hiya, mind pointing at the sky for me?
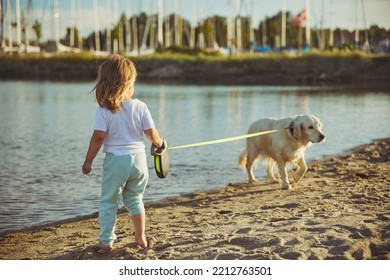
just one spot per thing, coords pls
(334, 13)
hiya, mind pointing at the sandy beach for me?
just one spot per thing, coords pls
(339, 210)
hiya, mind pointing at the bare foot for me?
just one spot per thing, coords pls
(104, 248)
(141, 241)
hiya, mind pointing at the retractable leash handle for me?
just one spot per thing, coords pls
(161, 159)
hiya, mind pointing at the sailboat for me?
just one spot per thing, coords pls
(97, 51)
(26, 47)
(149, 31)
(59, 47)
(20, 47)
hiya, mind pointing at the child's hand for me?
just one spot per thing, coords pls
(87, 167)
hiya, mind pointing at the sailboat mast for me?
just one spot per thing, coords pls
(10, 46)
(264, 31)
(128, 30)
(238, 26)
(27, 17)
(322, 43)
(72, 23)
(79, 25)
(251, 29)
(56, 23)
(96, 21)
(192, 37)
(160, 24)
(2, 25)
(308, 37)
(201, 43)
(18, 28)
(229, 38)
(283, 42)
(118, 14)
(367, 42)
(356, 25)
(176, 22)
(135, 34)
(331, 38)
(108, 29)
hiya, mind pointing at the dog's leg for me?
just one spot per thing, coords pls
(283, 173)
(301, 170)
(249, 168)
(270, 171)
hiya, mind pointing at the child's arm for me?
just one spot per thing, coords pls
(154, 137)
(95, 144)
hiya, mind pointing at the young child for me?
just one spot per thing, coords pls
(119, 126)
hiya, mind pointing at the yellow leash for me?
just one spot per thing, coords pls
(218, 141)
(161, 157)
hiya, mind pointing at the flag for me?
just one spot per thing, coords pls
(301, 17)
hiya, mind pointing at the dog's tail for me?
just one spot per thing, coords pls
(242, 159)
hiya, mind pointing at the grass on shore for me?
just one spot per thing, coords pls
(185, 54)
(190, 65)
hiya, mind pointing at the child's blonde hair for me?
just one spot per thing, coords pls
(115, 78)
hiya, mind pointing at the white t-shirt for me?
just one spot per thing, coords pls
(125, 128)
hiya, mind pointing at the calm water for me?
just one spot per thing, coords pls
(45, 129)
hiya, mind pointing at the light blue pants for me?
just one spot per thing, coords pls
(125, 176)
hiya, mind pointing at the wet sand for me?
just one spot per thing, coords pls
(339, 210)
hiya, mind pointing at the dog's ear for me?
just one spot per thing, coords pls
(304, 136)
(298, 127)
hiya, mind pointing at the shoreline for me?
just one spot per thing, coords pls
(122, 209)
(332, 70)
(338, 211)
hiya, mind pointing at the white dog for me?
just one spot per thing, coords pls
(286, 145)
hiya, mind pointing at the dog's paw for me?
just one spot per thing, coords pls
(286, 186)
(253, 180)
(297, 177)
(273, 180)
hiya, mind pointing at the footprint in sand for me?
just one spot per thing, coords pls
(244, 230)
(248, 243)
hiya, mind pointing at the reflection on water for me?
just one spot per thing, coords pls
(45, 128)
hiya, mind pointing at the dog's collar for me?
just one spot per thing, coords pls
(291, 129)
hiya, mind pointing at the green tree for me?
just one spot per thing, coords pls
(377, 34)
(37, 27)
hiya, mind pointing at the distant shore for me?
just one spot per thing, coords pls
(248, 70)
(339, 210)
